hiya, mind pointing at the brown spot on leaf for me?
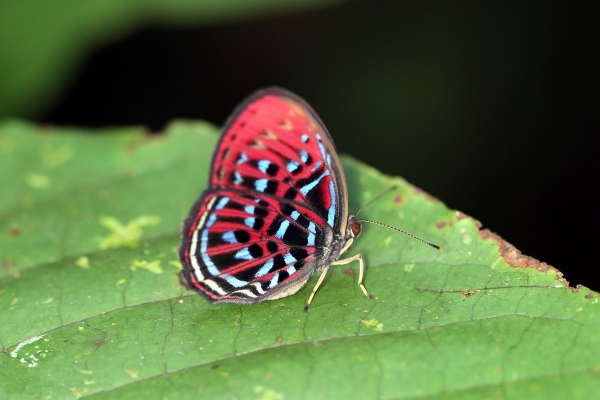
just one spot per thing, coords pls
(460, 215)
(398, 199)
(98, 342)
(516, 259)
(588, 296)
(440, 224)
(8, 263)
(349, 272)
(468, 292)
(215, 366)
(279, 339)
(5, 351)
(14, 231)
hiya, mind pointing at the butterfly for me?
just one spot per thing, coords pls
(276, 209)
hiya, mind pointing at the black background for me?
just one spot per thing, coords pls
(493, 108)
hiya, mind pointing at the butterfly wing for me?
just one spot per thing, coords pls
(277, 197)
(245, 247)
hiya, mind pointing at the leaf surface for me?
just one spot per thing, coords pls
(80, 318)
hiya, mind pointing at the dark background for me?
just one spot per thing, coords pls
(493, 108)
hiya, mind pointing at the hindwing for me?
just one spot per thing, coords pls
(240, 247)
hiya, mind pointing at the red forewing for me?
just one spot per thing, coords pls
(275, 144)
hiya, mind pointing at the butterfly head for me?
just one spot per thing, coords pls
(353, 228)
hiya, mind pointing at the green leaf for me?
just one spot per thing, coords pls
(42, 44)
(82, 318)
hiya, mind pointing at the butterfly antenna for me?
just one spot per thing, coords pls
(435, 246)
(380, 195)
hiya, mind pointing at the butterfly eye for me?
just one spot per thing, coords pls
(356, 229)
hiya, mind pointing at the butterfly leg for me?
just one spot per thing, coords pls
(360, 274)
(310, 299)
